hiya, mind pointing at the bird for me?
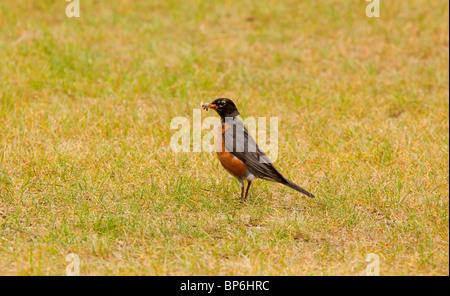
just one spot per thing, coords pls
(238, 152)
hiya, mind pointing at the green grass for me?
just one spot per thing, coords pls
(86, 167)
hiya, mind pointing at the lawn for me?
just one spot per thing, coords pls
(86, 165)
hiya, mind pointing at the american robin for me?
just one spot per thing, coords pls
(239, 154)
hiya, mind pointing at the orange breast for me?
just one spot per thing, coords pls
(232, 164)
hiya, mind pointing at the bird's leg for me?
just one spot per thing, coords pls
(242, 185)
(248, 187)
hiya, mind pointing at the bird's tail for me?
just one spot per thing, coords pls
(297, 188)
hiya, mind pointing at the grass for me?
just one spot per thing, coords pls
(86, 167)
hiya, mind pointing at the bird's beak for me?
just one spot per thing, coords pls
(208, 106)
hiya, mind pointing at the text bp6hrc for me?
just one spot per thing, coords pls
(246, 286)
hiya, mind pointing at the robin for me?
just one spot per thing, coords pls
(238, 152)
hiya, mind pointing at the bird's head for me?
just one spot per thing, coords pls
(223, 106)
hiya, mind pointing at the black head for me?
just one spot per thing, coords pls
(224, 107)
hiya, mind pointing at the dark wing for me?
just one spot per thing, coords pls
(241, 144)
